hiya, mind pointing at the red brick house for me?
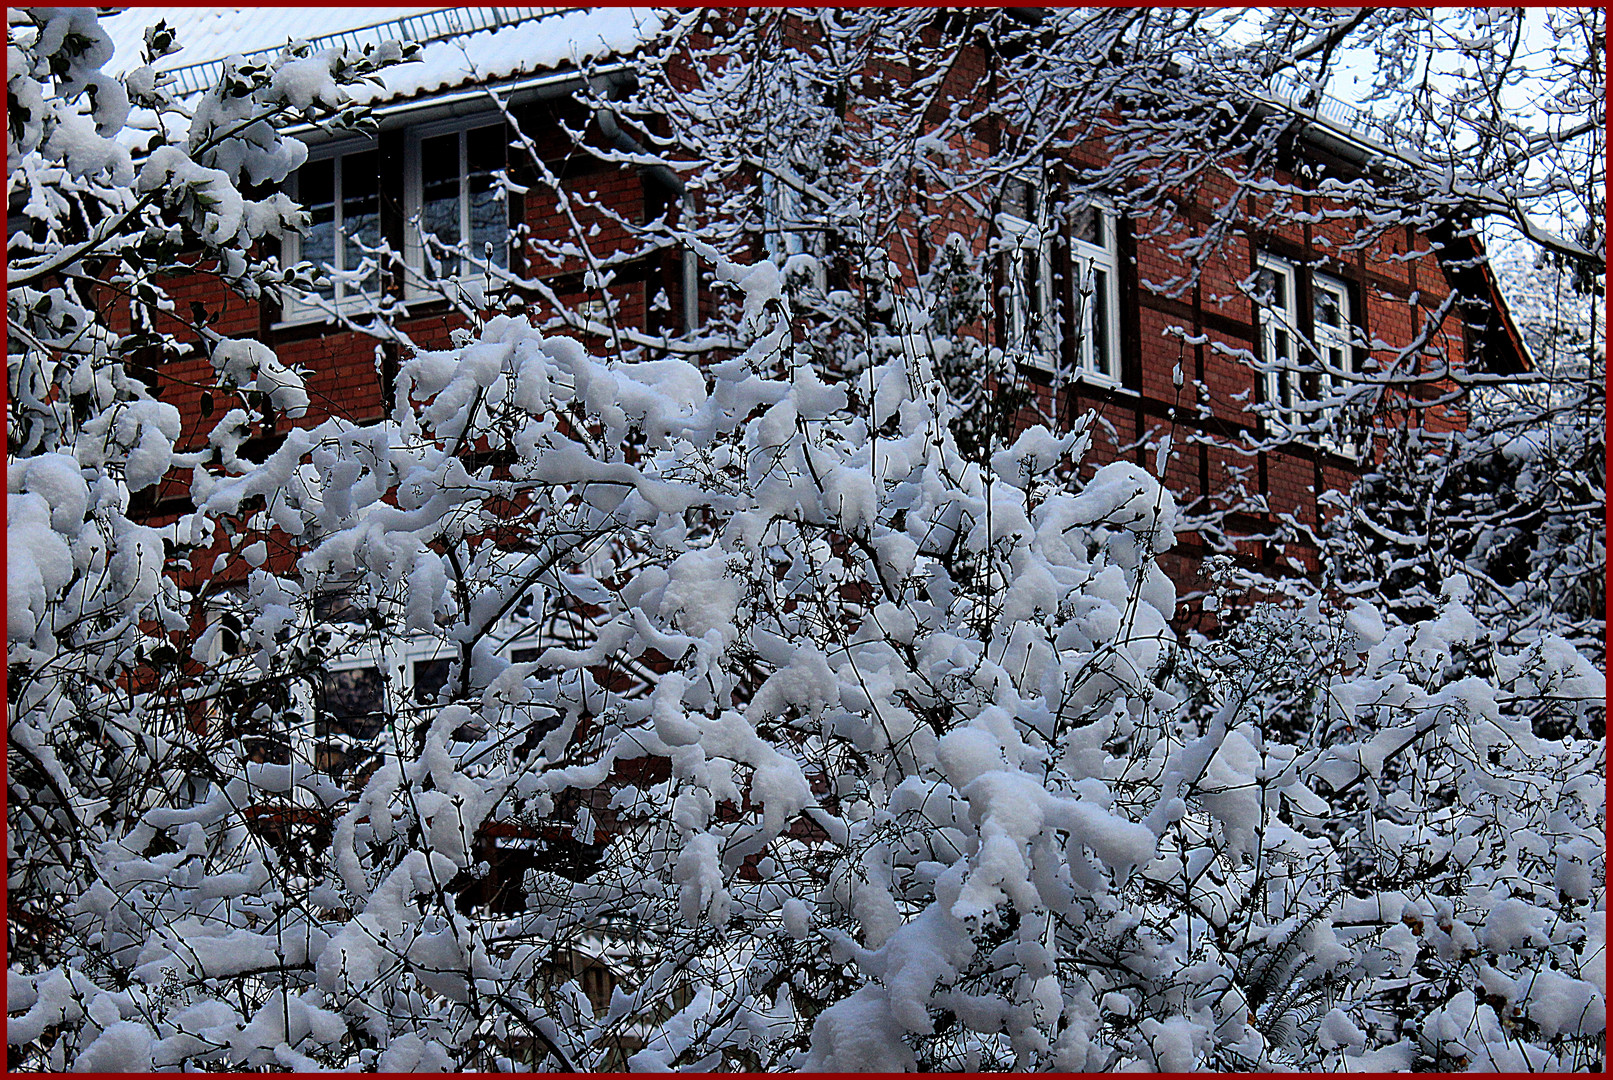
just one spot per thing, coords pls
(450, 180)
(442, 146)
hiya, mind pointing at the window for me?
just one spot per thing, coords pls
(1274, 292)
(430, 676)
(341, 192)
(456, 203)
(350, 717)
(452, 195)
(782, 207)
(1027, 274)
(1095, 301)
(789, 238)
(1091, 302)
(1309, 356)
(1331, 322)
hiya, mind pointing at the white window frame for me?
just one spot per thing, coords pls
(1335, 355)
(1031, 326)
(1026, 319)
(297, 306)
(1313, 353)
(1279, 331)
(1086, 261)
(467, 283)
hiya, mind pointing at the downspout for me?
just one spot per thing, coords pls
(668, 180)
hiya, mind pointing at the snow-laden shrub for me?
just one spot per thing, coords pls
(1514, 502)
(892, 759)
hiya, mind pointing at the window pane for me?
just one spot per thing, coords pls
(1016, 272)
(1034, 266)
(1102, 353)
(484, 155)
(350, 703)
(429, 677)
(1327, 308)
(337, 606)
(439, 213)
(487, 222)
(315, 186)
(1018, 199)
(1088, 226)
(316, 190)
(361, 217)
(484, 148)
(1271, 287)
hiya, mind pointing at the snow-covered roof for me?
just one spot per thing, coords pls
(460, 45)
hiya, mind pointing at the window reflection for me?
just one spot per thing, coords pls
(429, 677)
(351, 703)
(1087, 225)
(462, 199)
(361, 218)
(351, 713)
(484, 157)
(316, 187)
(439, 193)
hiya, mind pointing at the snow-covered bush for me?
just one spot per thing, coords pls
(941, 787)
(114, 186)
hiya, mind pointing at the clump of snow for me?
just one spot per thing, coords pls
(1034, 452)
(859, 1035)
(253, 365)
(123, 1047)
